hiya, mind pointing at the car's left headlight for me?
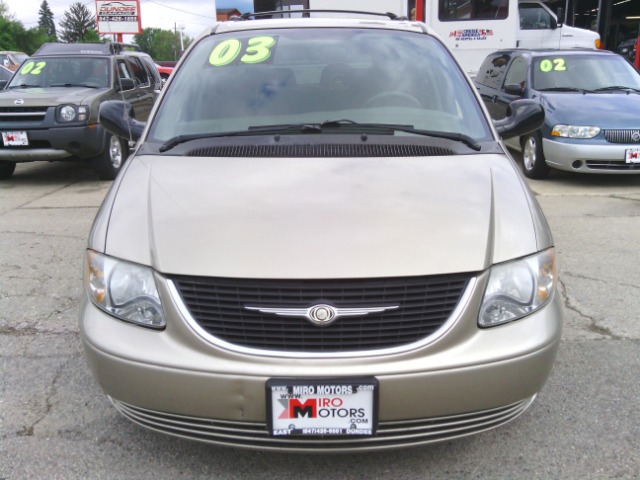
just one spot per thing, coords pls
(72, 113)
(123, 289)
(575, 131)
(517, 288)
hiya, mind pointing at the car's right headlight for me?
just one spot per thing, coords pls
(517, 288)
(123, 289)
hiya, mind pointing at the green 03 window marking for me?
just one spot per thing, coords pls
(255, 49)
(33, 68)
(557, 65)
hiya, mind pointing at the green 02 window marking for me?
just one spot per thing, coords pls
(255, 49)
(33, 68)
(557, 65)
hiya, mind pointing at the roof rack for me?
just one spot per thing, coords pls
(248, 15)
(110, 48)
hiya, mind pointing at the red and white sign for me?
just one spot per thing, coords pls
(118, 16)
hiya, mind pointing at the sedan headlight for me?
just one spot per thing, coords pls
(73, 113)
(516, 289)
(123, 289)
(574, 131)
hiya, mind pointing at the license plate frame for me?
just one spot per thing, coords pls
(632, 155)
(322, 407)
(17, 138)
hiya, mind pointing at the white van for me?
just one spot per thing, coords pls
(474, 28)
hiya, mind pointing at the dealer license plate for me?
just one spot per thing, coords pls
(632, 155)
(12, 139)
(322, 407)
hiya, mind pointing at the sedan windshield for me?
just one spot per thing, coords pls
(242, 81)
(584, 73)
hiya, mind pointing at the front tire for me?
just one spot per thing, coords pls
(6, 169)
(108, 163)
(533, 162)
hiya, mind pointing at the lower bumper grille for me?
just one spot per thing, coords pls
(389, 435)
(612, 165)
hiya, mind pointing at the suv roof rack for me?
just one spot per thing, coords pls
(248, 15)
(110, 48)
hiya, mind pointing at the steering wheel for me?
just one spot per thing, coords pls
(388, 99)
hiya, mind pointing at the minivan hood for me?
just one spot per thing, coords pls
(606, 110)
(320, 217)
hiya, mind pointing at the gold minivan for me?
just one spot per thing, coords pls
(320, 243)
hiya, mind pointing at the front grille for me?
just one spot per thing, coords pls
(622, 135)
(218, 307)
(321, 151)
(612, 165)
(388, 435)
(22, 114)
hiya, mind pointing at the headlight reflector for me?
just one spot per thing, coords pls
(73, 113)
(516, 289)
(574, 131)
(123, 289)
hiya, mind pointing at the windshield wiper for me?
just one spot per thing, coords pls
(616, 87)
(25, 85)
(564, 89)
(385, 129)
(292, 128)
(73, 85)
(348, 126)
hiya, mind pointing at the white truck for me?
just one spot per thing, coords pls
(474, 28)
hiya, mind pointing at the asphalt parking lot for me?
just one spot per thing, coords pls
(56, 423)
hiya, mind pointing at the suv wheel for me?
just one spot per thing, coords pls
(6, 169)
(108, 163)
(533, 162)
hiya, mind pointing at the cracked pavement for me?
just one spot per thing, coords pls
(55, 423)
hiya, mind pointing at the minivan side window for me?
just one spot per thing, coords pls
(492, 70)
(517, 72)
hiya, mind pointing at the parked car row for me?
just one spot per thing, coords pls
(50, 106)
(591, 100)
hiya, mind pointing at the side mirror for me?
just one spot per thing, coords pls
(561, 19)
(523, 116)
(116, 116)
(124, 84)
(514, 89)
(3, 83)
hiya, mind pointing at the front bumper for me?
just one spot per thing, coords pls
(173, 380)
(589, 157)
(50, 144)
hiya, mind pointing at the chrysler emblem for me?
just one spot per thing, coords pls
(322, 314)
(19, 102)
(635, 136)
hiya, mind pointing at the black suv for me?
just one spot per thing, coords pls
(49, 109)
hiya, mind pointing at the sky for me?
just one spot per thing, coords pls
(194, 15)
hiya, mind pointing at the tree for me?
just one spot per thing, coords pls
(78, 24)
(45, 20)
(4, 11)
(160, 44)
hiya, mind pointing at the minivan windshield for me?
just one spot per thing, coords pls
(582, 72)
(250, 80)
